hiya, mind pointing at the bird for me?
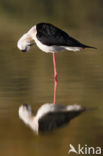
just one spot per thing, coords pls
(49, 116)
(49, 39)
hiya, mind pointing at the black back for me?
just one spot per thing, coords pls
(50, 35)
(54, 120)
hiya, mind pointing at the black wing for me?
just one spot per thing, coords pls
(54, 120)
(51, 35)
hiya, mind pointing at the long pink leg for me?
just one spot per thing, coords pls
(55, 90)
(55, 70)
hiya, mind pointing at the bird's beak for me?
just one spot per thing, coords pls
(31, 44)
(24, 50)
(27, 47)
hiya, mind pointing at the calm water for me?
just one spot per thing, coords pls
(28, 78)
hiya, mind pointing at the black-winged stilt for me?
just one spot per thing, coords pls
(49, 39)
(49, 116)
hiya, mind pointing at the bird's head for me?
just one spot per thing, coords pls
(24, 43)
(25, 113)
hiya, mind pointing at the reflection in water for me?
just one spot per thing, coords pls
(49, 116)
(55, 90)
(27, 78)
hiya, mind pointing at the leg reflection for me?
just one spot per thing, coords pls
(55, 90)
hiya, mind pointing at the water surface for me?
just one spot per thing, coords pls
(28, 78)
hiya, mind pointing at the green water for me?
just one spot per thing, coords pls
(28, 77)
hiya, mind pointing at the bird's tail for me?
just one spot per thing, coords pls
(76, 108)
(86, 46)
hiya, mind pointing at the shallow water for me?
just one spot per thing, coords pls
(28, 78)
